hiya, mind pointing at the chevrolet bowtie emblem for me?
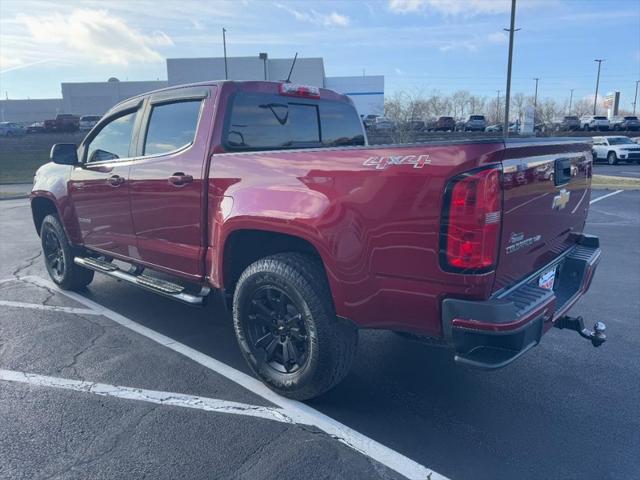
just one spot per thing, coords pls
(560, 201)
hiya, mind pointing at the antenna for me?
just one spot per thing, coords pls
(293, 64)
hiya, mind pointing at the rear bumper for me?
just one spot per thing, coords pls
(493, 333)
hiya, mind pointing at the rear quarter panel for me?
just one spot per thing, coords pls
(375, 225)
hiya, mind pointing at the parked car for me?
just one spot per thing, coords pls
(308, 242)
(64, 122)
(627, 123)
(514, 127)
(568, 123)
(594, 122)
(443, 124)
(383, 124)
(11, 129)
(87, 122)
(415, 126)
(36, 127)
(614, 149)
(476, 123)
(369, 120)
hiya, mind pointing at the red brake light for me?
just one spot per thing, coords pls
(294, 90)
(471, 221)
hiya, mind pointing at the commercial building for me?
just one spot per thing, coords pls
(95, 98)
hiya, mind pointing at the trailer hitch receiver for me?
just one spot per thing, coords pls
(596, 336)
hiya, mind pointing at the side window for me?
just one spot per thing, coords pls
(113, 140)
(172, 126)
(341, 125)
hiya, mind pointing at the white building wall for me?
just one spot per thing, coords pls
(309, 71)
(367, 92)
(95, 98)
(29, 111)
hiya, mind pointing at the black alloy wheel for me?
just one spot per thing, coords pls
(276, 330)
(54, 255)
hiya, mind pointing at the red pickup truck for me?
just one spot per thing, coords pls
(268, 194)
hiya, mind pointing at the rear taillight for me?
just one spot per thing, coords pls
(471, 220)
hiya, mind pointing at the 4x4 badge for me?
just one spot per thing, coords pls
(560, 201)
(418, 161)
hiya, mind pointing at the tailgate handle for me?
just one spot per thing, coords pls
(562, 171)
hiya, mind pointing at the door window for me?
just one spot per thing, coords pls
(113, 140)
(172, 126)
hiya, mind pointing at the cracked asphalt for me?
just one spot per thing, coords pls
(563, 411)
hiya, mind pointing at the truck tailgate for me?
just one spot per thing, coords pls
(546, 186)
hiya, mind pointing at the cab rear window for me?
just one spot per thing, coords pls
(259, 121)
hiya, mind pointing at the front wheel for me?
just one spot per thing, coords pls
(612, 159)
(58, 256)
(287, 328)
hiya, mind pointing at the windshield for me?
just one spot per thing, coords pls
(476, 117)
(631, 118)
(571, 118)
(599, 118)
(620, 141)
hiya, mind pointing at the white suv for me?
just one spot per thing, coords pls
(594, 122)
(614, 149)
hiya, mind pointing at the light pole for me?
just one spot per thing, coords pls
(224, 45)
(511, 30)
(535, 102)
(570, 101)
(635, 98)
(595, 100)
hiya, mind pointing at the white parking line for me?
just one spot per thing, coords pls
(298, 411)
(51, 308)
(151, 396)
(605, 196)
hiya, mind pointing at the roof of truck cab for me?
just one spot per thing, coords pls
(243, 85)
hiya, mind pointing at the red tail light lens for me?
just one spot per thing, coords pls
(471, 222)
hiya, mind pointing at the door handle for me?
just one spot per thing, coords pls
(115, 180)
(178, 179)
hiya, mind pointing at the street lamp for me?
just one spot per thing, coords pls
(595, 100)
(570, 101)
(511, 30)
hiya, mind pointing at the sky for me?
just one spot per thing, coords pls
(418, 45)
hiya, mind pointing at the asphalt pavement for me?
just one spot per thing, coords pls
(627, 170)
(564, 411)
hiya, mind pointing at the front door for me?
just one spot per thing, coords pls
(167, 180)
(99, 187)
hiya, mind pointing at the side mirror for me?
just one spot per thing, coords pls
(64, 154)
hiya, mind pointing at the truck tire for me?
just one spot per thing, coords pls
(58, 256)
(287, 329)
(612, 159)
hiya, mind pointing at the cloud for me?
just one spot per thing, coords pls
(451, 7)
(96, 35)
(333, 19)
(11, 64)
(497, 37)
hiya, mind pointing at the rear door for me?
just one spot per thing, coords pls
(546, 200)
(99, 189)
(167, 180)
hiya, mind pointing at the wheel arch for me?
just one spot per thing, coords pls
(41, 206)
(243, 246)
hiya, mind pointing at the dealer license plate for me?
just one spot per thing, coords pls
(547, 279)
